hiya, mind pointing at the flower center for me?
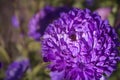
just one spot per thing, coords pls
(72, 37)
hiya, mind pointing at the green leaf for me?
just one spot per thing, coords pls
(38, 68)
(4, 55)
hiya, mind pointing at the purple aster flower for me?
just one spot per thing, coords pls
(15, 21)
(40, 21)
(16, 70)
(80, 45)
(104, 12)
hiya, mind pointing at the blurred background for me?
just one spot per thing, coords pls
(16, 44)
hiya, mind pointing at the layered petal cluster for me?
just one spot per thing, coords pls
(40, 20)
(17, 69)
(81, 46)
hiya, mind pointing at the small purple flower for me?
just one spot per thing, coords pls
(15, 21)
(40, 21)
(16, 70)
(104, 12)
(80, 45)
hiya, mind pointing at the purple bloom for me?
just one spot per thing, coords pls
(104, 12)
(40, 21)
(80, 45)
(15, 21)
(16, 70)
